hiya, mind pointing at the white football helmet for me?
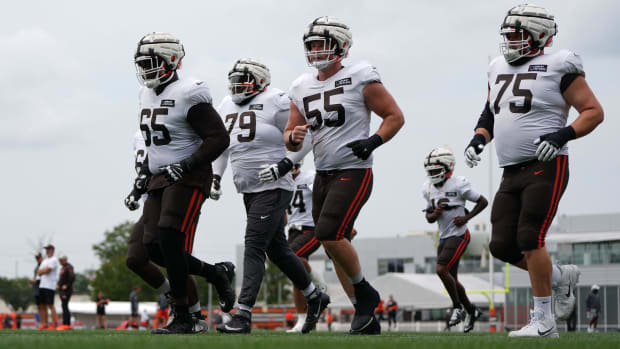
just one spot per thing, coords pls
(439, 164)
(157, 56)
(336, 41)
(533, 19)
(247, 78)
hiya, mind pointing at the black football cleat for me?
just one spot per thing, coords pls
(183, 323)
(370, 327)
(472, 317)
(240, 323)
(317, 302)
(367, 300)
(225, 274)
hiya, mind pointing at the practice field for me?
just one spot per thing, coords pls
(268, 339)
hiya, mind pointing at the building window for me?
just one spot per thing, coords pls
(393, 265)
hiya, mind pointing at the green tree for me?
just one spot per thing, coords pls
(16, 292)
(114, 243)
(80, 285)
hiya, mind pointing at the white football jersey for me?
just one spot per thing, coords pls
(167, 135)
(299, 211)
(527, 102)
(336, 110)
(256, 141)
(458, 191)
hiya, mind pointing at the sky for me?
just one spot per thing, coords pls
(68, 95)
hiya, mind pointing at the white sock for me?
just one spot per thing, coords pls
(245, 308)
(164, 288)
(308, 290)
(357, 278)
(194, 308)
(353, 300)
(556, 275)
(543, 304)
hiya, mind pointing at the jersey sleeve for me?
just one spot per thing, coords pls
(368, 74)
(466, 191)
(283, 105)
(199, 92)
(573, 64)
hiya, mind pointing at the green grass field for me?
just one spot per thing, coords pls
(268, 339)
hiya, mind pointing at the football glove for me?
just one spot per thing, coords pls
(550, 144)
(175, 172)
(216, 188)
(474, 148)
(363, 148)
(132, 201)
(141, 183)
(272, 172)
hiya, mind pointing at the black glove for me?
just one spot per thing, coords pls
(216, 188)
(141, 183)
(132, 201)
(473, 149)
(272, 172)
(175, 172)
(363, 148)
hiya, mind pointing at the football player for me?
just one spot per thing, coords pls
(334, 105)
(255, 115)
(446, 197)
(530, 93)
(140, 256)
(183, 134)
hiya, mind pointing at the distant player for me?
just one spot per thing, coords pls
(255, 114)
(529, 96)
(446, 197)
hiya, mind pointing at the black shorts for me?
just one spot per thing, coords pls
(46, 296)
(303, 242)
(527, 201)
(176, 207)
(37, 299)
(451, 249)
(337, 198)
(101, 311)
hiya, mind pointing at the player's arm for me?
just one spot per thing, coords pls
(380, 101)
(577, 93)
(43, 271)
(219, 167)
(481, 204)
(483, 134)
(295, 130)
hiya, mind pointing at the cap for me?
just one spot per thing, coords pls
(49, 246)
(595, 287)
(62, 257)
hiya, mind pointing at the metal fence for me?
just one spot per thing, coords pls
(519, 302)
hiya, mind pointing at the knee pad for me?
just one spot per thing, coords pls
(505, 252)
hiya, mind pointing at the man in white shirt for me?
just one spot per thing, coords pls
(48, 271)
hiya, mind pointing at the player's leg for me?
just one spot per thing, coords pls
(137, 254)
(541, 195)
(337, 200)
(43, 293)
(179, 207)
(303, 243)
(448, 255)
(280, 253)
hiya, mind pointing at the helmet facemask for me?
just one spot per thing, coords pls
(436, 173)
(324, 57)
(152, 71)
(242, 86)
(513, 50)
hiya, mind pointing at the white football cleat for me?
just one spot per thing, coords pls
(301, 319)
(539, 327)
(563, 292)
